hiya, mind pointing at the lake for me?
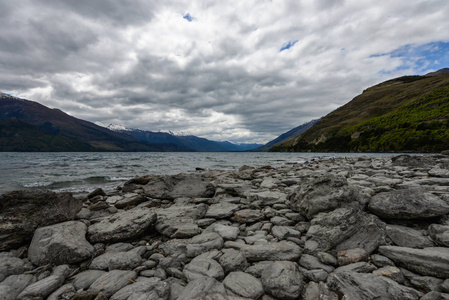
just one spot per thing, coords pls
(82, 172)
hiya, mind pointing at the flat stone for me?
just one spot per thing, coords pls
(390, 272)
(284, 232)
(12, 266)
(283, 250)
(130, 201)
(313, 263)
(440, 234)
(369, 286)
(203, 267)
(203, 243)
(428, 261)
(350, 256)
(85, 279)
(314, 291)
(24, 211)
(42, 288)
(143, 288)
(257, 268)
(267, 198)
(358, 267)
(113, 281)
(412, 203)
(283, 280)
(62, 292)
(221, 210)
(244, 285)
(228, 233)
(178, 227)
(197, 289)
(233, 260)
(116, 261)
(122, 226)
(63, 243)
(12, 286)
(324, 194)
(248, 216)
(177, 186)
(407, 237)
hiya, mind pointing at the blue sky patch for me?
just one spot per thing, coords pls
(431, 56)
(288, 45)
(188, 17)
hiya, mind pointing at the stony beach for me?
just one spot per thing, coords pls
(336, 228)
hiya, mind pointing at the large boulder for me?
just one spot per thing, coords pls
(283, 280)
(21, 212)
(361, 286)
(408, 237)
(414, 203)
(59, 244)
(182, 185)
(432, 261)
(243, 285)
(122, 226)
(324, 194)
(12, 266)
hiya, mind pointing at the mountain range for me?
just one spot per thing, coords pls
(405, 114)
(29, 126)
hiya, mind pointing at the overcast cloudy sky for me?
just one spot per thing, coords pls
(244, 71)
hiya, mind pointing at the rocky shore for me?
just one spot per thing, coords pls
(346, 228)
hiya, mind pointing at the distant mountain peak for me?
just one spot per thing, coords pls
(115, 127)
(439, 72)
(5, 95)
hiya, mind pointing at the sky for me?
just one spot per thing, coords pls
(242, 71)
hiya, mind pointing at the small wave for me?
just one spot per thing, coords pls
(37, 184)
(120, 178)
(96, 179)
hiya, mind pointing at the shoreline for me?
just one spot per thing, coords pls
(357, 226)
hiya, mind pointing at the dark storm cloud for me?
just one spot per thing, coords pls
(243, 71)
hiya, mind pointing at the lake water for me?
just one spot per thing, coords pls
(83, 172)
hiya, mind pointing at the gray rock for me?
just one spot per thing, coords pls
(244, 285)
(143, 288)
(267, 198)
(64, 291)
(203, 267)
(122, 226)
(440, 234)
(381, 261)
(116, 261)
(359, 267)
(85, 279)
(178, 227)
(42, 288)
(201, 287)
(257, 268)
(330, 229)
(119, 247)
(63, 243)
(131, 201)
(312, 263)
(12, 286)
(426, 283)
(174, 247)
(221, 210)
(369, 286)
(408, 204)
(281, 221)
(432, 296)
(314, 291)
(233, 260)
(283, 250)
(193, 211)
(283, 280)
(25, 211)
(327, 258)
(228, 233)
(113, 281)
(428, 261)
(324, 194)
(390, 272)
(284, 232)
(407, 237)
(203, 243)
(177, 186)
(369, 236)
(350, 256)
(12, 266)
(315, 275)
(248, 216)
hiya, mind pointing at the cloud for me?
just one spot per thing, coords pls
(239, 70)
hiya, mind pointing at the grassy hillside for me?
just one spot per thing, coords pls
(404, 114)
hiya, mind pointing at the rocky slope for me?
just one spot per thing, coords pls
(348, 228)
(403, 114)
